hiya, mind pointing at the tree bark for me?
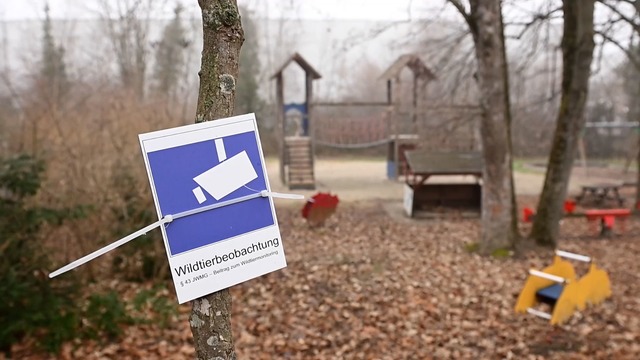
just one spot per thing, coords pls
(635, 114)
(223, 36)
(577, 54)
(634, 110)
(636, 204)
(499, 230)
(515, 232)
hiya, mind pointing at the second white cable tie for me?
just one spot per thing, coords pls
(265, 193)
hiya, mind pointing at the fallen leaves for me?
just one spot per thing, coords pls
(368, 285)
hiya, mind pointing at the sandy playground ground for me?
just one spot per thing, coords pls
(365, 179)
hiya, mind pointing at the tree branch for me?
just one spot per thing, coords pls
(630, 55)
(536, 18)
(617, 11)
(467, 17)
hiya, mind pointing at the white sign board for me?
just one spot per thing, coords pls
(408, 200)
(208, 178)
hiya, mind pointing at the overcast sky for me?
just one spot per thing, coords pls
(304, 9)
(312, 9)
(516, 11)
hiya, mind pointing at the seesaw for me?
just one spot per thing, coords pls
(557, 286)
(605, 218)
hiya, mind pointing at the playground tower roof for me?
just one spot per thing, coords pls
(303, 64)
(414, 63)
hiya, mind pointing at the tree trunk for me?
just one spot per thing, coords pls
(499, 229)
(636, 106)
(634, 110)
(636, 204)
(223, 36)
(577, 54)
(515, 233)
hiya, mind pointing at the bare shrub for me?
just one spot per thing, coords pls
(91, 148)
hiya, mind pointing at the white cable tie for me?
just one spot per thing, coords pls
(165, 220)
(216, 205)
(265, 193)
(113, 245)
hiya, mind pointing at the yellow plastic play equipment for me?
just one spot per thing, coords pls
(557, 286)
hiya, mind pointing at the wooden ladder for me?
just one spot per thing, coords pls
(299, 161)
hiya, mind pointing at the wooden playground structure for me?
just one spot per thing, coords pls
(296, 151)
(393, 126)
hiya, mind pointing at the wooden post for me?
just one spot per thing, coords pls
(310, 127)
(414, 116)
(583, 154)
(281, 123)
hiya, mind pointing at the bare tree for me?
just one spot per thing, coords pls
(170, 54)
(626, 14)
(577, 54)
(127, 31)
(633, 93)
(222, 38)
(53, 67)
(499, 227)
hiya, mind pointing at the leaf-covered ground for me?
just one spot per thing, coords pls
(371, 284)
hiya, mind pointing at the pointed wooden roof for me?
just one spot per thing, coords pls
(414, 63)
(303, 64)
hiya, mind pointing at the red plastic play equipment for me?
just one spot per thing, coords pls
(569, 206)
(527, 214)
(607, 218)
(604, 218)
(319, 208)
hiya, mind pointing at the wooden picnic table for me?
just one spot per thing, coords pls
(600, 194)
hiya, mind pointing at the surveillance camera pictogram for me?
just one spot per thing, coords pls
(226, 177)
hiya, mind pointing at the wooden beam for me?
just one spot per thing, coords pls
(351, 103)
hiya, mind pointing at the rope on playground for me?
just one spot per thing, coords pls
(354, 146)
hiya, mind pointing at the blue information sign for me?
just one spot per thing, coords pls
(173, 171)
(214, 203)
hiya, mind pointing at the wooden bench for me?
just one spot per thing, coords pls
(606, 218)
